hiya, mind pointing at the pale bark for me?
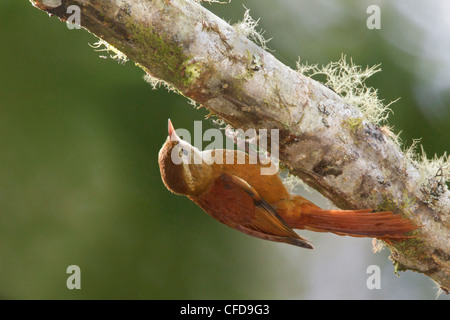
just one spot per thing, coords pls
(208, 61)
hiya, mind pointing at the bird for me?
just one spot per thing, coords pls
(237, 195)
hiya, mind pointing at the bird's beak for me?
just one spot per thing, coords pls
(172, 134)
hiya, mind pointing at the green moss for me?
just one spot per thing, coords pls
(353, 124)
(398, 267)
(249, 56)
(389, 204)
(410, 250)
(410, 247)
(191, 73)
(396, 205)
(163, 57)
(413, 248)
(245, 76)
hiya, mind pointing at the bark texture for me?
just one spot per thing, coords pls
(323, 140)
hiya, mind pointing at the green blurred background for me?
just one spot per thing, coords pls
(80, 184)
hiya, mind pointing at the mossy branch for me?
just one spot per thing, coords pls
(325, 139)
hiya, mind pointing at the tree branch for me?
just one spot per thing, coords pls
(324, 140)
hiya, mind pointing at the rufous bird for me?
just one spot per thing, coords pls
(260, 205)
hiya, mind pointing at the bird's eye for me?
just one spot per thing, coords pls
(183, 152)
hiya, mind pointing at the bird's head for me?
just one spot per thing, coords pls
(182, 167)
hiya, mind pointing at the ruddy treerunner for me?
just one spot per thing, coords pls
(260, 205)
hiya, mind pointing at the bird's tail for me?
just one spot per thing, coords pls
(357, 223)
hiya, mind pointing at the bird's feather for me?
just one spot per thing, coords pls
(232, 201)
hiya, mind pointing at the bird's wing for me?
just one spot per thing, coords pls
(234, 202)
